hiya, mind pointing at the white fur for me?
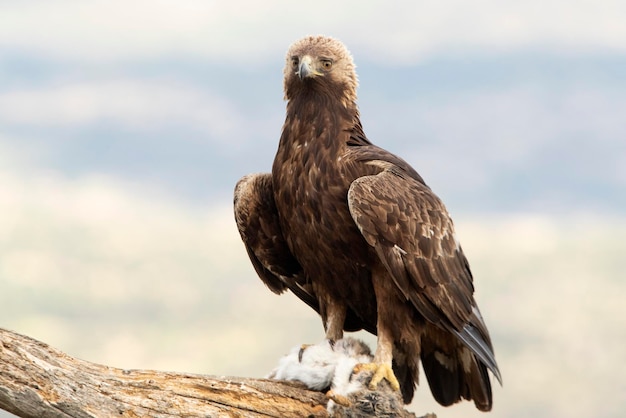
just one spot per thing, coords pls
(315, 370)
(324, 365)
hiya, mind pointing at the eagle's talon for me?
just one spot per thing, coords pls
(381, 371)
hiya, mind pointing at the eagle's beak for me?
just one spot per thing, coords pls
(305, 69)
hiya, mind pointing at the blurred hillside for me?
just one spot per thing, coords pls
(147, 285)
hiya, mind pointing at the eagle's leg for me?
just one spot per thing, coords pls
(334, 319)
(381, 366)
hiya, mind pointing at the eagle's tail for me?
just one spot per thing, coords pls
(458, 369)
(451, 380)
(406, 371)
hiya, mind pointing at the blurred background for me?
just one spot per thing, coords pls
(124, 127)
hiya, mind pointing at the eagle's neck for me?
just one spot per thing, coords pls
(322, 121)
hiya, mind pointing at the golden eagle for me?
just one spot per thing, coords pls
(355, 233)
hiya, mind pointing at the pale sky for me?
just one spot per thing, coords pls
(240, 30)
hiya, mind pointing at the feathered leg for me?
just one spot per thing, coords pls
(382, 364)
(334, 317)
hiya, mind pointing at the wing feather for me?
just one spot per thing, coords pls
(395, 211)
(259, 227)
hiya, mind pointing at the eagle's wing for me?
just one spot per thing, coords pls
(259, 227)
(413, 235)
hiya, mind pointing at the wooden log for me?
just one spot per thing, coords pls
(37, 380)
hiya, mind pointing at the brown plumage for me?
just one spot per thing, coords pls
(355, 233)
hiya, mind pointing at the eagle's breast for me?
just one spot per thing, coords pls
(311, 180)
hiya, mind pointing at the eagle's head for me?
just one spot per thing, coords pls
(322, 64)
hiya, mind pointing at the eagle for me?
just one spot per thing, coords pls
(354, 232)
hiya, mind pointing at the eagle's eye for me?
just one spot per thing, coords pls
(327, 64)
(294, 61)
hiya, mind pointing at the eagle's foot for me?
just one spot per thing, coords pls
(381, 371)
(339, 399)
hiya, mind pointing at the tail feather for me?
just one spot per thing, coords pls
(480, 347)
(457, 368)
(443, 380)
(457, 375)
(406, 372)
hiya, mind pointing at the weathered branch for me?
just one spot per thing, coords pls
(37, 380)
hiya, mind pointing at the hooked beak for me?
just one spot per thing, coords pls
(305, 69)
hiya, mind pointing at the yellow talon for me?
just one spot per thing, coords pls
(381, 371)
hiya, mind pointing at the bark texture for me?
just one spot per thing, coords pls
(37, 380)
